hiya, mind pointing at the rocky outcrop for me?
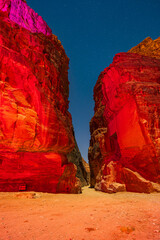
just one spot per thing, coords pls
(19, 12)
(124, 152)
(36, 132)
(148, 47)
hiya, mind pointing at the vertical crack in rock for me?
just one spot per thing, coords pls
(83, 172)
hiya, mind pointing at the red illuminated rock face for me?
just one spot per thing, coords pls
(124, 152)
(19, 12)
(36, 132)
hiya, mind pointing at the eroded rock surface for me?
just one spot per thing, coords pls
(125, 130)
(148, 47)
(19, 12)
(36, 132)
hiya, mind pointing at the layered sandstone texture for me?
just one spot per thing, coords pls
(36, 132)
(124, 152)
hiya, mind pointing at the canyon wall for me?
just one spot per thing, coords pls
(124, 152)
(36, 132)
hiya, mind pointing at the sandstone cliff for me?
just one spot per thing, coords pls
(36, 132)
(124, 152)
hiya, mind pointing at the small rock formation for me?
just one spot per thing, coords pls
(26, 195)
(36, 132)
(124, 152)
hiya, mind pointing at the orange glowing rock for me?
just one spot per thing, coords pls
(148, 47)
(36, 131)
(125, 129)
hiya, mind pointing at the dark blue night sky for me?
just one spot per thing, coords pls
(92, 32)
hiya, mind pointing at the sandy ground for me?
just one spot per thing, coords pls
(88, 216)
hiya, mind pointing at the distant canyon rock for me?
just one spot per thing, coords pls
(124, 152)
(36, 132)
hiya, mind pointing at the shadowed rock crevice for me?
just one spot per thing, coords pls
(83, 172)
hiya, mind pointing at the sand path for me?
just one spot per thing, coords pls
(88, 216)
